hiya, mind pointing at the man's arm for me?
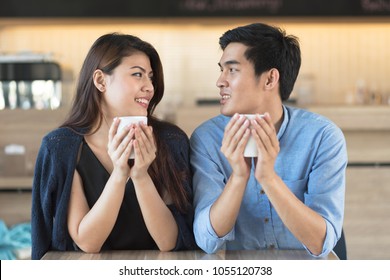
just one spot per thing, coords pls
(217, 205)
(224, 212)
(307, 225)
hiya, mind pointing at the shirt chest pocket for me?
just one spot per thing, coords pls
(298, 187)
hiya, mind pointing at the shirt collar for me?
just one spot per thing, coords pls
(286, 119)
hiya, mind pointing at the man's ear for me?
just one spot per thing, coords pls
(99, 80)
(272, 78)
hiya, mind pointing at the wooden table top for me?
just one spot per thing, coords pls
(187, 255)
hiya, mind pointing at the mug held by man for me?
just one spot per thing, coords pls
(251, 147)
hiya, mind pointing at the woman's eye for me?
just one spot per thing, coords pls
(138, 74)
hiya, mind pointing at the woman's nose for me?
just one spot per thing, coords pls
(148, 86)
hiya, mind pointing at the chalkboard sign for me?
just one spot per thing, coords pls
(193, 8)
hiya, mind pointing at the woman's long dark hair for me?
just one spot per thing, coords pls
(106, 54)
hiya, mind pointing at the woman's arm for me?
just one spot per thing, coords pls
(157, 216)
(89, 228)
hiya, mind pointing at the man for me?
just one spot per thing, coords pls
(292, 195)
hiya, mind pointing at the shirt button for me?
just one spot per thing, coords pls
(262, 192)
(266, 220)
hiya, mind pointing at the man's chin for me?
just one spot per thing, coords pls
(226, 112)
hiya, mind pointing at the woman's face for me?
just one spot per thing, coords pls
(129, 89)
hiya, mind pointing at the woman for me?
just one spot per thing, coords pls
(87, 195)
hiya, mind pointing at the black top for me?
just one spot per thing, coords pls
(129, 232)
(53, 176)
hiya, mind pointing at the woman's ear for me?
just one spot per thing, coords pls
(272, 78)
(99, 80)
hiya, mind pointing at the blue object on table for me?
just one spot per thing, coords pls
(15, 238)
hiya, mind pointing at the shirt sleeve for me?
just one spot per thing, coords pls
(208, 184)
(41, 218)
(52, 181)
(326, 185)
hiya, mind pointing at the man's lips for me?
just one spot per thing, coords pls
(225, 98)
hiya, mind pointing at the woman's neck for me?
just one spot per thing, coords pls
(100, 129)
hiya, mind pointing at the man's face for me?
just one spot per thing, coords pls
(240, 90)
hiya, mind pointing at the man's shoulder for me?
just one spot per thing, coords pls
(213, 125)
(308, 123)
(308, 118)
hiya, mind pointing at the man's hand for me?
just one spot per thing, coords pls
(267, 142)
(236, 136)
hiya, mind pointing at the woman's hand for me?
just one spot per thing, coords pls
(233, 144)
(120, 144)
(144, 149)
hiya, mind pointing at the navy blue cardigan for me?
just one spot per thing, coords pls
(54, 170)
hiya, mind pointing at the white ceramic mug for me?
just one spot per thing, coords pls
(250, 148)
(131, 120)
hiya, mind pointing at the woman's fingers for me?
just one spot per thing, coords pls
(120, 144)
(115, 137)
(113, 129)
(144, 145)
(147, 139)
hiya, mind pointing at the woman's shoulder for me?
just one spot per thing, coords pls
(169, 130)
(62, 135)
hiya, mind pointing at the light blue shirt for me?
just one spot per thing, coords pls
(311, 162)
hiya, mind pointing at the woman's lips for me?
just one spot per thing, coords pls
(142, 102)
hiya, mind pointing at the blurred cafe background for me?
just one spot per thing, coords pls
(345, 75)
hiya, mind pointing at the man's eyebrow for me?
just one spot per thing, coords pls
(229, 62)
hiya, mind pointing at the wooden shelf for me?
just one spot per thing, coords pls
(357, 118)
(16, 182)
(25, 128)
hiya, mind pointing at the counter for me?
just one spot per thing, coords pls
(366, 130)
